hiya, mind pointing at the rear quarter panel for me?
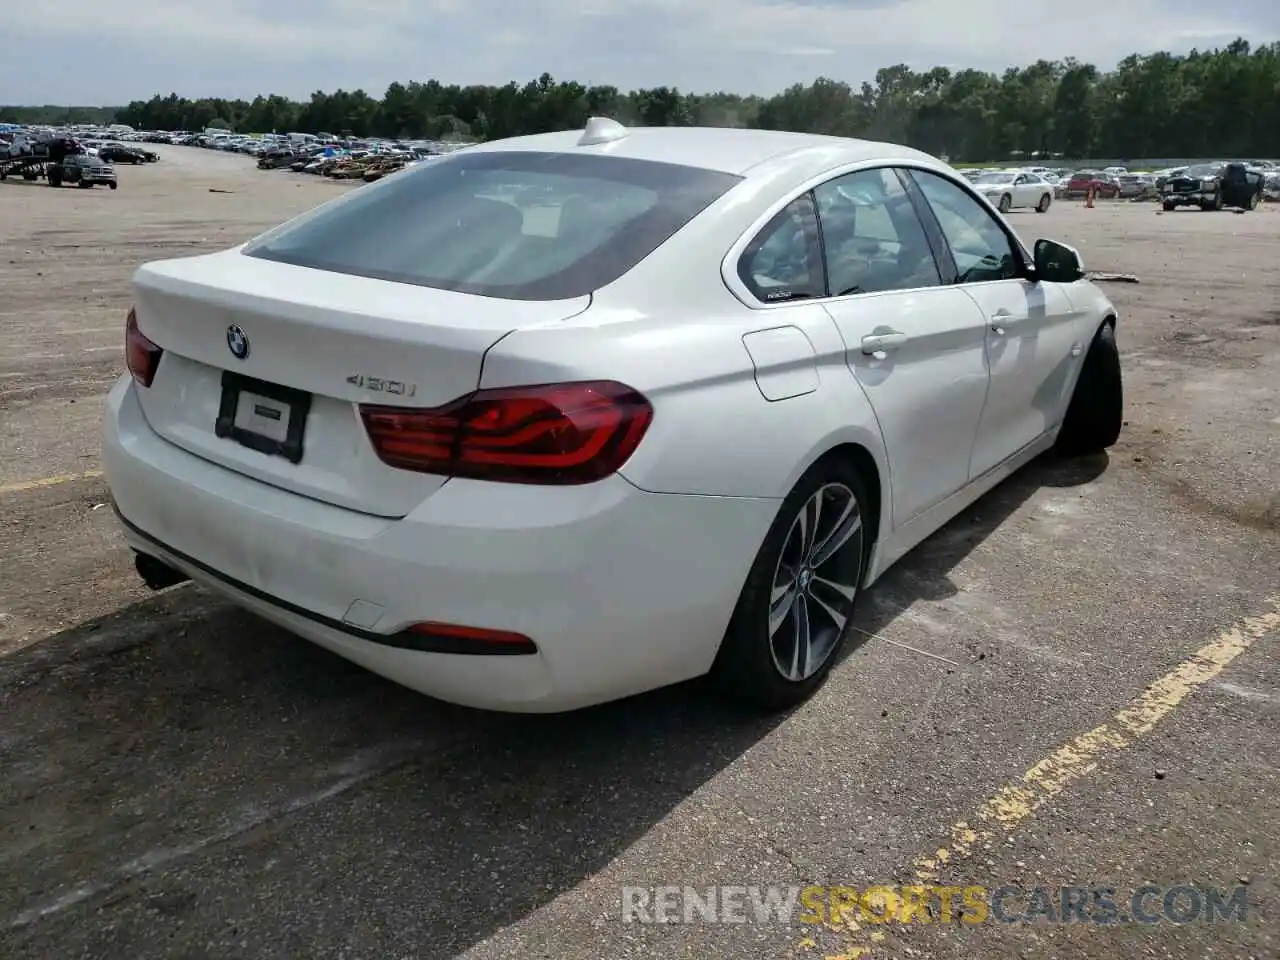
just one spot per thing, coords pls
(714, 433)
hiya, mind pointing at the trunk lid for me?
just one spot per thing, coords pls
(337, 340)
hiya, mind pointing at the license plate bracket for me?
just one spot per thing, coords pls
(262, 416)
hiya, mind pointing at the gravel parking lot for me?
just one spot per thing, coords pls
(182, 780)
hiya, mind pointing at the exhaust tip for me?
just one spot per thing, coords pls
(157, 574)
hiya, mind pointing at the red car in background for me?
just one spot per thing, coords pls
(1104, 185)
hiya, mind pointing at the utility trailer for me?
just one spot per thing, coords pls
(27, 166)
(43, 162)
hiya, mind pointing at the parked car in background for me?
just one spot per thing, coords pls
(1059, 183)
(1012, 189)
(122, 153)
(1134, 185)
(277, 157)
(1164, 176)
(1271, 184)
(1104, 185)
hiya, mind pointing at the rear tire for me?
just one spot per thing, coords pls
(1169, 207)
(776, 654)
(1096, 411)
(1043, 205)
(1006, 203)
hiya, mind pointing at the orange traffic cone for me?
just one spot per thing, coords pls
(1088, 198)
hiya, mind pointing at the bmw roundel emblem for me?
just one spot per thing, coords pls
(237, 342)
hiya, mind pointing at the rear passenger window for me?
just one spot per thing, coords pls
(784, 261)
(872, 237)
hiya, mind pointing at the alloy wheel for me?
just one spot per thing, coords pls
(815, 582)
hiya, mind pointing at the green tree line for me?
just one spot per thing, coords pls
(1221, 102)
(54, 115)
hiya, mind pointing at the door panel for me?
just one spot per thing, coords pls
(915, 345)
(926, 385)
(1029, 336)
(1029, 327)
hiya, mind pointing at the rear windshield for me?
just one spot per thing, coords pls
(520, 225)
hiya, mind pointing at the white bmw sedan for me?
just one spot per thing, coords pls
(559, 419)
(1013, 189)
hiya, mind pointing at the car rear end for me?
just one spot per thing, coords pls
(303, 429)
(1131, 185)
(1079, 185)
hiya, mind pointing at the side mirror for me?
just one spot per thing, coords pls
(1057, 263)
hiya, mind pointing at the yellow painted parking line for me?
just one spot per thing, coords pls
(23, 485)
(1000, 814)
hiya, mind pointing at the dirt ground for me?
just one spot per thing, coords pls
(182, 780)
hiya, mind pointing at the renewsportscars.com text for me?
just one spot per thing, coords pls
(834, 906)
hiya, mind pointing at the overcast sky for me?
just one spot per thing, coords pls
(95, 52)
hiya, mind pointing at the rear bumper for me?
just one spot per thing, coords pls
(621, 590)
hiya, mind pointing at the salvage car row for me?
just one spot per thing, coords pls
(66, 157)
(1212, 185)
(60, 161)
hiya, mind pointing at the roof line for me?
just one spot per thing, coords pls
(810, 146)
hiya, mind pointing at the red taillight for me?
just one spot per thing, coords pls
(564, 433)
(452, 638)
(141, 355)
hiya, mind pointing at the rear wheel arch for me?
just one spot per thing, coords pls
(746, 665)
(858, 457)
(861, 460)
